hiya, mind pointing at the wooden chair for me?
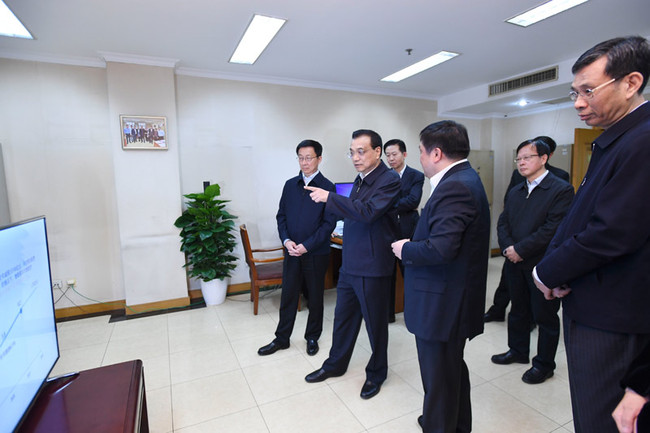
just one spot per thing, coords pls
(263, 272)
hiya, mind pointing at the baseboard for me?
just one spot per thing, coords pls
(159, 305)
(120, 306)
(90, 310)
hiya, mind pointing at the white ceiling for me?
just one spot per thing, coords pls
(337, 44)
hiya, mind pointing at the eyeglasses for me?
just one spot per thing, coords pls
(589, 93)
(359, 152)
(306, 158)
(524, 158)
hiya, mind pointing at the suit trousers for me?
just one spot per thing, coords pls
(528, 302)
(360, 298)
(501, 294)
(445, 378)
(597, 362)
(306, 271)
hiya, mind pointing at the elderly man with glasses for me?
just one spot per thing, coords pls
(598, 260)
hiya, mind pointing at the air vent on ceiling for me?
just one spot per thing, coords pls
(525, 81)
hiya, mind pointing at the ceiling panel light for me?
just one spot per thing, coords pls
(258, 35)
(10, 25)
(543, 11)
(420, 66)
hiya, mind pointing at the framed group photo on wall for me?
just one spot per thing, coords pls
(144, 132)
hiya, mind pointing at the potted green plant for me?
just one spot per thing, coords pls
(207, 239)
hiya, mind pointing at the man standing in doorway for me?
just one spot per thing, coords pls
(305, 228)
(370, 225)
(598, 260)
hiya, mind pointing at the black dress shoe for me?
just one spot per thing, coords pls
(271, 348)
(534, 375)
(493, 316)
(508, 358)
(369, 390)
(312, 347)
(320, 375)
(421, 421)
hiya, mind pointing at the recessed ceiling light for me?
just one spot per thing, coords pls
(258, 35)
(420, 66)
(543, 11)
(10, 25)
(522, 103)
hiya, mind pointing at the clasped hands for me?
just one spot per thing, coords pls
(550, 294)
(295, 250)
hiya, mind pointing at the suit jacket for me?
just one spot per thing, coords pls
(517, 178)
(302, 220)
(369, 224)
(446, 261)
(529, 222)
(410, 195)
(602, 247)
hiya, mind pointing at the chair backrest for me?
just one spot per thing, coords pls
(246, 243)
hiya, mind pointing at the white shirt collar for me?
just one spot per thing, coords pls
(436, 178)
(531, 185)
(310, 178)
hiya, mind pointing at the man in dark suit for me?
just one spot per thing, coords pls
(598, 260)
(305, 228)
(497, 312)
(409, 199)
(532, 212)
(369, 227)
(446, 272)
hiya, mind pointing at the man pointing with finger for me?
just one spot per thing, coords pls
(370, 225)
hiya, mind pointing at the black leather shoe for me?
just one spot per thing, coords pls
(312, 347)
(271, 348)
(493, 316)
(508, 358)
(369, 390)
(534, 375)
(319, 376)
(421, 421)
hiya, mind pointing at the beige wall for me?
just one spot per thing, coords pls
(60, 136)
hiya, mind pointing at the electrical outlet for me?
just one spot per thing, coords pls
(57, 284)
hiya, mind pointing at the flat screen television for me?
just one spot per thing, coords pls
(28, 339)
(344, 188)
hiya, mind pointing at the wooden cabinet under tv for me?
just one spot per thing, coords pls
(105, 399)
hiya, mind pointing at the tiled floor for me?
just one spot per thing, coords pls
(203, 374)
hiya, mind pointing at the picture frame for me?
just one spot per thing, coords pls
(143, 132)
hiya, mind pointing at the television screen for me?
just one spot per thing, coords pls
(28, 340)
(344, 188)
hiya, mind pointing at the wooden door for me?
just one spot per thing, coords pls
(583, 140)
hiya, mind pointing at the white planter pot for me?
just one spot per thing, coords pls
(214, 291)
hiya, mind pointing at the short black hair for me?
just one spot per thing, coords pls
(624, 56)
(448, 136)
(552, 145)
(375, 139)
(398, 142)
(318, 148)
(540, 147)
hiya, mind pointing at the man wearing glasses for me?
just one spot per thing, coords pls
(598, 260)
(532, 211)
(370, 225)
(304, 228)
